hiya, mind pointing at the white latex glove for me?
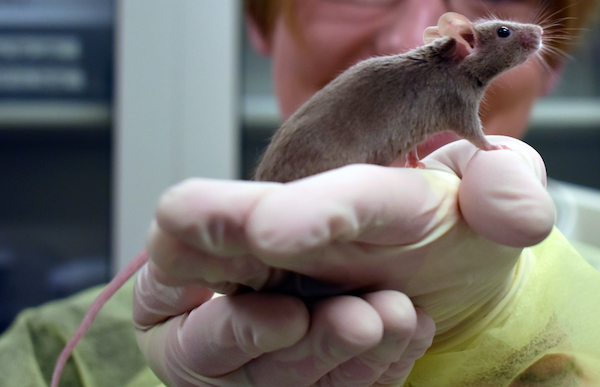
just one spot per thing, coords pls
(448, 237)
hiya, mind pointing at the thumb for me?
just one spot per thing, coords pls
(503, 197)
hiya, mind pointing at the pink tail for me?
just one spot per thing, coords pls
(92, 312)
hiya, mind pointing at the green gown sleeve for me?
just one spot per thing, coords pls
(107, 355)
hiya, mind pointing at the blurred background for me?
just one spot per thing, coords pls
(105, 103)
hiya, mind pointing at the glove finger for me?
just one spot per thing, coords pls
(421, 340)
(155, 302)
(210, 214)
(362, 203)
(503, 197)
(177, 263)
(400, 324)
(211, 345)
(341, 328)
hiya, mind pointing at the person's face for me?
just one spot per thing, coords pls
(332, 35)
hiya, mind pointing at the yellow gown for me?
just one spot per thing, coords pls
(545, 332)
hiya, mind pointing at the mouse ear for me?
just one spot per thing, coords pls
(458, 27)
(430, 34)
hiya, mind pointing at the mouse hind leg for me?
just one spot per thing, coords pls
(412, 160)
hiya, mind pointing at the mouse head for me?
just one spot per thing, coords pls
(487, 48)
(509, 43)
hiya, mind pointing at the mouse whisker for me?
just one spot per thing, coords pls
(541, 14)
(558, 37)
(551, 16)
(556, 52)
(539, 58)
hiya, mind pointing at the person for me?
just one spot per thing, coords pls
(367, 275)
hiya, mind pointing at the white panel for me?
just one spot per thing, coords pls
(176, 116)
(210, 90)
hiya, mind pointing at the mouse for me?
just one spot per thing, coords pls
(379, 110)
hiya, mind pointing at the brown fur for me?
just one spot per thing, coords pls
(384, 107)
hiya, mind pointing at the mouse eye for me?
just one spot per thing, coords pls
(503, 32)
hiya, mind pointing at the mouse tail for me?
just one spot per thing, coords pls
(110, 289)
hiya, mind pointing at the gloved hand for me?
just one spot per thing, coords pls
(447, 237)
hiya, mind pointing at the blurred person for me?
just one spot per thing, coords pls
(420, 291)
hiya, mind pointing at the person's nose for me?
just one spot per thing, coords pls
(404, 31)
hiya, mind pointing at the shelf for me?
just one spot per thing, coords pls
(566, 113)
(52, 114)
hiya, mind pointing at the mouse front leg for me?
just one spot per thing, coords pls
(477, 137)
(486, 146)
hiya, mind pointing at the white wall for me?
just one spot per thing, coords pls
(176, 111)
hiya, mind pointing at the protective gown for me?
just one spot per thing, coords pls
(544, 332)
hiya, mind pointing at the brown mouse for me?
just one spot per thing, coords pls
(382, 108)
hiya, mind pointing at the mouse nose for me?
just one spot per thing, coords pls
(531, 37)
(405, 24)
